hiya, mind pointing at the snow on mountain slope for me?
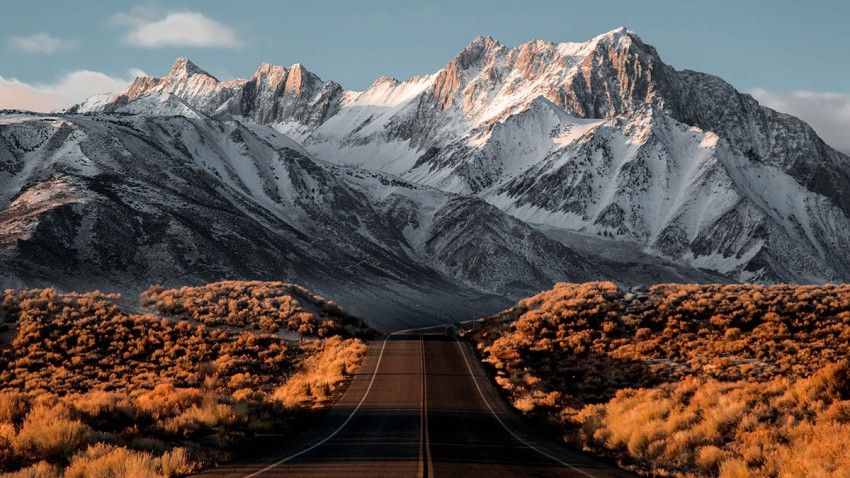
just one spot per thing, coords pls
(274, 94)
(120, 202)
(683, 194)
(598, 137)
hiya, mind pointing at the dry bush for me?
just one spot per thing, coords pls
(735, 468)
(266, 306)
(105, 411)
(48, 431)
(41, 469)
(149, 396)
(7, 441)
(320, 374)
(203, 419)
(107, 461)
(709, 458)
(70, 343)
(13, 407)
(166, 400)
(176, 462)
(815, 449)
(685, 380)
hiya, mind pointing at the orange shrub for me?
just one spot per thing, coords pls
(685, 380)
(101, 392)
(266, 306)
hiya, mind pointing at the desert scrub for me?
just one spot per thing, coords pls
(90, 390)
(49, 431)
(266, 306)
(778, 428)
(685, 380)
(320, 373)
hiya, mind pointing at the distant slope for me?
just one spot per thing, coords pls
(120, 202)
(598, 137)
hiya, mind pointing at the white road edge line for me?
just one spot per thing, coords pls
(365, 394)
(496, 416)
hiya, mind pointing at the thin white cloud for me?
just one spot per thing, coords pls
(40, 43)
(134, 17)
(148, 28)
(70, 89)
(827, 113)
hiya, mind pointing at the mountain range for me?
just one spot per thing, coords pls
(441, 196)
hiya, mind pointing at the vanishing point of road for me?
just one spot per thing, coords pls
(422, 406)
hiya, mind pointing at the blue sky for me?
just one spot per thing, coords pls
(776, 49)
(778, 45)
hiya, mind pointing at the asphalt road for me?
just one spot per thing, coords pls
(420, 406)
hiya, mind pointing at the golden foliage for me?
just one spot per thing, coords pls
(48, 431)
(320, 373)
(99, 392)
(686, 380)
(267, 306)
(70, 342)
(41, 469)
(108, 460)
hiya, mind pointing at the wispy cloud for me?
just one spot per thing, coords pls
(148, 28)
(70, 89)
(40, 43)
(827, 113)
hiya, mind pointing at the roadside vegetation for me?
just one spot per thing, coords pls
(685, 380)
(266, 306)
(87, 389)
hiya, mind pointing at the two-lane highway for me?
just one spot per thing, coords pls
(420, 406)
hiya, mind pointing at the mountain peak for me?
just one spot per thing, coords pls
(299, 69)
(482, 40)
(620, 37)
(269, 70)
(481, 44)
(183, 67)
(385, 80)
(477, 49)
(265, 67)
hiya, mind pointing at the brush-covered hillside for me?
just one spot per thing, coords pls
(685, 380)
(97, 385)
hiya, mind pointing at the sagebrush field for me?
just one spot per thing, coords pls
(685, 380)
(91, 390)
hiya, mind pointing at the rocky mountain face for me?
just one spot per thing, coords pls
(507, 169)
(597, 138)
(273, 94)
(121, 202)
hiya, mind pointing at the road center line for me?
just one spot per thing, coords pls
(426, 465)
(365, 394)
(496, 416)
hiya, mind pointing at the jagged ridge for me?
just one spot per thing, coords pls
(594, 138)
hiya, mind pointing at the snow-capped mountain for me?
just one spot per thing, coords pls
(274, 94)
(440, 196)
(121, 202)
(599, 138)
